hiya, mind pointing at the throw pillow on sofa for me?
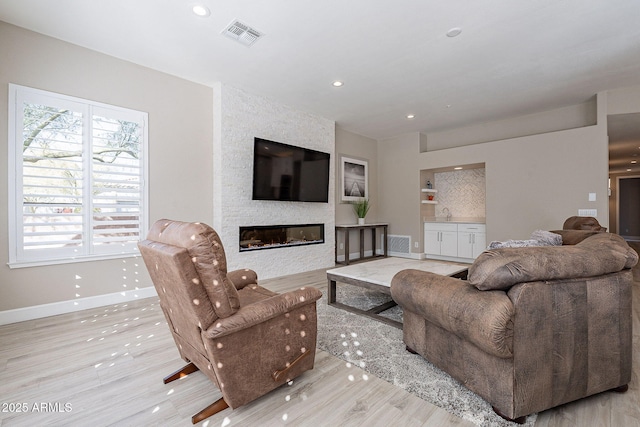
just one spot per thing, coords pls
(538, 238)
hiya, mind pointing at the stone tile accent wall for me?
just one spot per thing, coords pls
(238, 118)
(463, 192)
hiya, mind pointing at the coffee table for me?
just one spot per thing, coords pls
(377, 275)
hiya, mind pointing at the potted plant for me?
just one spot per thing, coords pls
(360, 208)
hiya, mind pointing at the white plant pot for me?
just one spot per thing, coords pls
(360, 221)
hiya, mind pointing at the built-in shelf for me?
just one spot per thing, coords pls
(432, 191)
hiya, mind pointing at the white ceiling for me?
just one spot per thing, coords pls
(512, 57)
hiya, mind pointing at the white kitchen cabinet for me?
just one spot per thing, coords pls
(448, 243)
(472, 240)
(454, 241)
(441, 239)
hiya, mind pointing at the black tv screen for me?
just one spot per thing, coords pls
(287, 172)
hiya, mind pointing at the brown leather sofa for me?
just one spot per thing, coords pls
(247, 339)
(532, 327)
(582, 223)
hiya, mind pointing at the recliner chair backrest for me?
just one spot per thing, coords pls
(188, 267)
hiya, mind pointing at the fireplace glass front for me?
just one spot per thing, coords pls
(280, 236)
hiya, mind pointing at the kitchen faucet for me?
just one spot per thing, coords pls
(448, 213)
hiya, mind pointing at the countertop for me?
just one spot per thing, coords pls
(455, 220)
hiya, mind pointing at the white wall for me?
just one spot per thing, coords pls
(399, 185)
(570, 117)
(532, 181)
(623, 101)
(239, 117)
(359, 147)
(180, 150)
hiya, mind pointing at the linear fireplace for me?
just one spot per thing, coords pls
(280, 236)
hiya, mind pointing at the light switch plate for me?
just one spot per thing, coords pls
(588, 212)
(592, 197)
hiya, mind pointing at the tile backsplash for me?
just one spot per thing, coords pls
(462, 192)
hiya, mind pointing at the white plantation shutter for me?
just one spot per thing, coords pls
(77, 172)
(116, 181)
(49, 201)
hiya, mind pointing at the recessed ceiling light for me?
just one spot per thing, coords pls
(453, 32)
(411, 116)
(633, 162)
(628, 170)
(201, 10)
(338, 83)
(458, 168)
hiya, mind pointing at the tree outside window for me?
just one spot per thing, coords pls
(79, 188)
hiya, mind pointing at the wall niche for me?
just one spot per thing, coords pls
(458, 190)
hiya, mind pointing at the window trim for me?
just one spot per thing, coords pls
(13, 205)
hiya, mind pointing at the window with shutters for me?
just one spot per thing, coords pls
(77, 178)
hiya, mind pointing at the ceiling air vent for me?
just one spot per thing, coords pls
(242, 33)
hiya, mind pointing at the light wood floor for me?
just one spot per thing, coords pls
(107, 364)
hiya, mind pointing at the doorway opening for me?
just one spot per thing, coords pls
(624, 174)
(629, 207)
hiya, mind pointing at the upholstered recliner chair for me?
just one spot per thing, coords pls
(245, 338)
(533, 327)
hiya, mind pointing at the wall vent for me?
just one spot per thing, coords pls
(399, 245)
(242, 33)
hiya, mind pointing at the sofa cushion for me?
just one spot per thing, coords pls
(601, 253)
(573, 237)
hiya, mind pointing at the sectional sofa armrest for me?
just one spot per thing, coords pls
(484, 318)
(575, 335)
(262, 311)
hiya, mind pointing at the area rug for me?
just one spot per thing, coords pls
(378, 349)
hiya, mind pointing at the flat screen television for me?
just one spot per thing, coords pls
(290, 173)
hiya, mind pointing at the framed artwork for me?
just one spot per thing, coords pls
(355, 179)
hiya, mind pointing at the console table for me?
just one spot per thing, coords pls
(345, 229)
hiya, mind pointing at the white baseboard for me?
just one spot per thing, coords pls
(353, 256)
(450, 258)
(79, 304)
(412, 255)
